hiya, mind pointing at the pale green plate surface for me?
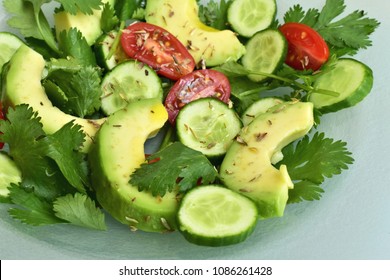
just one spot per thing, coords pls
(351, 221)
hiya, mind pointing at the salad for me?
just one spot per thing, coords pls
(231, 96)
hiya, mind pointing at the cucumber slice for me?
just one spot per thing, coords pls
(259, 107)
(208, 125)
(352, 79)
(248, 17)
(103, 47)
(216, 216)
(265, 52)
(9, 173)
(9, 43)
(129, 81)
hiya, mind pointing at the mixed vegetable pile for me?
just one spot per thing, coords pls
(304, 58)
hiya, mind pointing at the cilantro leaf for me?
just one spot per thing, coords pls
(297, 14)
(174, 166)
(79, 89)
(109, 20)
(304, 190)
(68, 65)
(28, 17)
(85, 97)
(74, 44)
(345, 35)
(72, 164)
(23, 17)
(311, 161)
(23, 132)
(331, 10)
(244, 92)
(85, 6)
(127, 8)
(30, 20)
(214, 13)
(34, 210)
(52, 173)
(79, 210)
(41, 47)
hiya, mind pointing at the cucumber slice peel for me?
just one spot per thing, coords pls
(352, 79)
(216, 216)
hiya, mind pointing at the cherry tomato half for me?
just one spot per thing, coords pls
(198, 84)
(157, 48)
(306, 47)
(2, 117)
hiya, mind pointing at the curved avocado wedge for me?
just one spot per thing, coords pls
(23, 86)
(88, 25)
(203, 42)
(247, 166)
(117, 152)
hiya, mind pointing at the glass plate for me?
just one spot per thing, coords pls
(351, 221)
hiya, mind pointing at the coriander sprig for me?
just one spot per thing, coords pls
(233, 69)
(345, 35)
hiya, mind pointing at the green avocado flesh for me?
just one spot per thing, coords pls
(116, 153)
(181, 19)
(88, 25)
(9, 174)
(247, 166)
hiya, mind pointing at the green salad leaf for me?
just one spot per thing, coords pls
(109, 20)
(310, 161)
(52, 166)
(73, 44)
(24, 134)
(127, 8)
(32, 210)
(214, 13)
(175, 166)
(30, 20)
(75, 6)
(72, 164)
(79, 210)
(74, 87)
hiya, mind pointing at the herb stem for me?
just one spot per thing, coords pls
(47, 37)
(168, 137)
(307, 88)
(116, 42)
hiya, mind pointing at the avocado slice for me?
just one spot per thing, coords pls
(22, 85)
(117, 152)
(88, 25)
(9, 174)
(247, 166)
(203, 42)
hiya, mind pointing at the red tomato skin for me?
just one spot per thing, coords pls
(2, 117)
(157, 48)
(198, 84)
(306, 47)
